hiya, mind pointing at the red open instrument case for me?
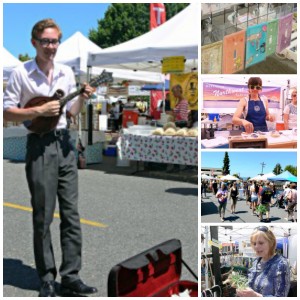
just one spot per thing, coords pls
(152, 273)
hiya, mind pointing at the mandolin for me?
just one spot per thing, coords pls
(42, 125)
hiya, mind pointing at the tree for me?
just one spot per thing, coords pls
(125, 21)
(24, 58)
(236, 175)
(226, 164)
(291, 169)
(277, 170)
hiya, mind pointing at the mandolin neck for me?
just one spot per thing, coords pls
(65, 100)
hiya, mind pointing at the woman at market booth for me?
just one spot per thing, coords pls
(253, 112)
(181, 109)
(270, 272)
(290, 112)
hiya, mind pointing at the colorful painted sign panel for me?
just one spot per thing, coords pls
(271, 43)
(284, 32)
(256, 37)
(211, 58)
(234, 52)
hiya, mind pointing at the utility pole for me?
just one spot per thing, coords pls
(262, 168)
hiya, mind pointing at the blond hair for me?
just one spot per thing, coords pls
(268, 235)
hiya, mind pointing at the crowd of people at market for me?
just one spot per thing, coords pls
(260, 196)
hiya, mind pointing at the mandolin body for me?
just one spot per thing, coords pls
(42, 125)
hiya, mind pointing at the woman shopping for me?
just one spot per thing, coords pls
(270, 272)
(222, 195)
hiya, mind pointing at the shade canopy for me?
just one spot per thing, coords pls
(204, 176)
(229, 177)
(263, 177)
(285, 176)
(9, 63)
(176, 37)
(256, 178)
(74, 52)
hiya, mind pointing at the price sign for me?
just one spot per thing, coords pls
(173, 64)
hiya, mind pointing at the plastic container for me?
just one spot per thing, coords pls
(279, 125)
(129, 117)
(214, 117)
(110, 151)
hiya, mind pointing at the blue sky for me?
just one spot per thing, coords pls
(249, 163)
(18, 20)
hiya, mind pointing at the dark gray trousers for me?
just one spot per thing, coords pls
(51, 172)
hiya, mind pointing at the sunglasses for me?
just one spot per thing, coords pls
(294, 95)
(255, 87)
(262, 228)
(47, 42)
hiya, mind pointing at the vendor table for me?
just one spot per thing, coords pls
(286, 140)
(161, 149)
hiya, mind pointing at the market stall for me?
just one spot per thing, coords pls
(177, 36)
(9, 63)
(182, 150)
(228, 257)
(225, 106)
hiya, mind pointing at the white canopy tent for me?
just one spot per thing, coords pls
(177, 37)
(74, 52)
(229, 178)
(9, 63)
(266, 176)
(206, 177)
(256, 178)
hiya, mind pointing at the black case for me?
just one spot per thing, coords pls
(152, 273)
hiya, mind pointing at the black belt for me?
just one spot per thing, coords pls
(56, 132)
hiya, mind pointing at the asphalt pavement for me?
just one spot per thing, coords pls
(209, 212)
(124, 215)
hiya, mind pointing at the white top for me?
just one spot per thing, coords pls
(291, 110)
(28, 81)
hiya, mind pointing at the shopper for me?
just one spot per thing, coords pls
(292, 203)
(270, 273)
(233, 196)
(222, 196)
(254, 197)
(265, 200)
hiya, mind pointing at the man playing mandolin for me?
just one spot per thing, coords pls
(51, 168)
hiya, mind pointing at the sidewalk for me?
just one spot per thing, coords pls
(209, 212)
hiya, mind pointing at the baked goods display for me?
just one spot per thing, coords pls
(192, 132)
(169, 125)
(275, 134)
(170, 129)
(158, 131)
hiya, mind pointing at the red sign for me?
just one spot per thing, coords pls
(156, 101)
(157, 14)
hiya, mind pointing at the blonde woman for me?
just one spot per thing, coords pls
(270, 273)
(290, 112)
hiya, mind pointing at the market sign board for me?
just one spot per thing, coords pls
(217, 95)
(173, 64)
